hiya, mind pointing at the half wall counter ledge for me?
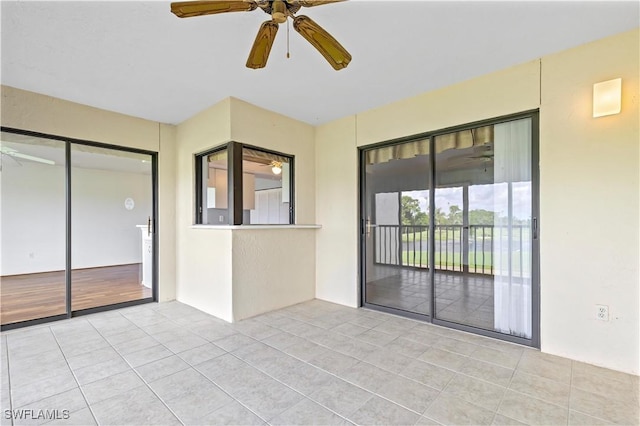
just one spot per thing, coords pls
(254, 227)
(240, 271)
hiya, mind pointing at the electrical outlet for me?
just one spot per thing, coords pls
(602, 312)
(221, 218)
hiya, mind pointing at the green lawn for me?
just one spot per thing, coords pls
(452, 261)
(452, 235)
(417, 236)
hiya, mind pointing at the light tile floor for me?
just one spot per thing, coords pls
(312, 363)
(460, 298)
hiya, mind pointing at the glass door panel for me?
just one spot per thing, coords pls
(33, 262)
(112, 233)
(483, 213)
(396, 227)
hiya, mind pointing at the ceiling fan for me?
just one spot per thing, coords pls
(276, 166)
(280, 11)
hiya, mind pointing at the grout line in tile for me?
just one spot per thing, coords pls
(340, 378)
(6, 349)
(192, 367)
(570, 391)
(284, 384)
(508, 387)
(236, 399)
(141, 378)
(409, 378)
(604, 421)
(74, 374)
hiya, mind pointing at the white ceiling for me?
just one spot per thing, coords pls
(139, 59)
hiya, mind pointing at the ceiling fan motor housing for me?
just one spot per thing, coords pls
(279, 11)
(288, 8)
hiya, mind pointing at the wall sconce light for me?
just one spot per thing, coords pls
(607, 97)
(276, 167)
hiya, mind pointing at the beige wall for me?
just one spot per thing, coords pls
(167, 220)
(266, 129)
(203, 270)
(31, 111)
(39, 113)
(205, 256)
(590, 192)
(506, 92)
(337, 212)
(272, 268)
(589, 206)
(589, 177)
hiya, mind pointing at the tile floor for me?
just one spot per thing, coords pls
(313, 363)
(463, 299)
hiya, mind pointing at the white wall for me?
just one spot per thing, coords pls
(269, 208)
(103, 231)
(33, 218)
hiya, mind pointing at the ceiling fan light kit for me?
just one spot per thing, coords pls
(276, 167)
(280, 11)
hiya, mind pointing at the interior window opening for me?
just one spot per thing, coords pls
(266, 181)
(261, 195)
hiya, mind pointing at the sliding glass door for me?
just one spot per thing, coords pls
(111, 238)
(396, 226)
(483, 202)
(461, 247)
(32, 271)
(78, 227)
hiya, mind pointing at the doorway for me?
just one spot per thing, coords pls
(450, 228)
(78, 227)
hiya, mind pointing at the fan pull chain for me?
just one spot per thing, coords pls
(288, 55)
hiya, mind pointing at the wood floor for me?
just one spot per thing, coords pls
(31, 296)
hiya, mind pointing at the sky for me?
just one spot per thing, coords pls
(481, 197)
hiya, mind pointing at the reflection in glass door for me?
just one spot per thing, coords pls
(462, 244)
(112, 231)
(396, 227)
(32, 271)
(483, 202)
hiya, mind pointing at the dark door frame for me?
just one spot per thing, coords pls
(535, 216)
(68, 222)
